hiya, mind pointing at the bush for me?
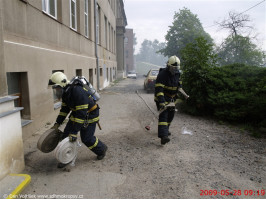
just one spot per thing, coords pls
(235, 93)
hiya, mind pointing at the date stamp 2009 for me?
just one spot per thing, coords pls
(232, 192)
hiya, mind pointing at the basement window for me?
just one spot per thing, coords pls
(78, 72)
(17, 83)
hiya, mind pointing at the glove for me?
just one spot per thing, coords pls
(72, 137)
(162, 106)
(56, 126)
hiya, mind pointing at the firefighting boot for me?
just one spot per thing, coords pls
(101, 156)
(164, 140)
(62, 165)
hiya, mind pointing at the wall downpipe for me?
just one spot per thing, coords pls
(96, 43)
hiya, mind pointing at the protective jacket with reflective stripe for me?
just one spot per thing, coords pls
(75, 98)
(166, 86)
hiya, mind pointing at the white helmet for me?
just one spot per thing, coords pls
(174, 61)
(58, 79)
(173, 64)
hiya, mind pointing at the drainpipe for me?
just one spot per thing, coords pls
(96, 44)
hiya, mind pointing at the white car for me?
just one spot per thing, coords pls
(132, 74)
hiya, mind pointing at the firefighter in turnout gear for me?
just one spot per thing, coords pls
(84, 114)
(166, 88)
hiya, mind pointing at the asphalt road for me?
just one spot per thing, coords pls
(213, 161)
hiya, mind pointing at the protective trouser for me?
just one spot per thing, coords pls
(87, 137)
(165, 119)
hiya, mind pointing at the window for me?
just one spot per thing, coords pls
(50, 7)
(98, 20)
(78, 72)
(111, 40)
(110, 37)
(126, 40)
(91, 76)
(105, 31)
(114, 42)
(17, 83)
(86, 17)
(73, 14)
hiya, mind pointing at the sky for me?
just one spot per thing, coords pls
(150, 19)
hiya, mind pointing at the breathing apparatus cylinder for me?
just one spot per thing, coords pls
(91, 90)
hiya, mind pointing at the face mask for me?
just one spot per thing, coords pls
(173, 70)
(58, 91)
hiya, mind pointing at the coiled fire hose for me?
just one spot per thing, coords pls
(66, 151)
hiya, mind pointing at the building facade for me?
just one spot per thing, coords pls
(39, 37)
(129, 50)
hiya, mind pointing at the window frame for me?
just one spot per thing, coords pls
(47, 9)
(105, 32)
(86, 17)
(98, 24)
(75, 15)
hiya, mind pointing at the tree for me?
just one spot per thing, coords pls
(239, 49)
(186, 27)
(198, 59)
(236, 23)
(149, 52)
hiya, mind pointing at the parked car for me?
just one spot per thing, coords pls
(132, 74)
(150, 79)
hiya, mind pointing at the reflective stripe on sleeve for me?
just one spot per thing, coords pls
(163, 124)
(63, 114)
(160, 94)
(159, 85)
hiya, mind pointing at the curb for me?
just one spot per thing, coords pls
(13, 184)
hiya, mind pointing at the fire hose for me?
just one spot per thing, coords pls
(172, 104)
(66, 151)
(156, 116)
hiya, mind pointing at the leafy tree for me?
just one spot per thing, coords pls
(185, 29)
(149, 52)
(239, 49)
(198, 59)
(236, 93)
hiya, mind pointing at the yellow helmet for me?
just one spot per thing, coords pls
(58, 79)
(173, 64)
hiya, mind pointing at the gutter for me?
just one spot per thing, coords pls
(96, 45)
